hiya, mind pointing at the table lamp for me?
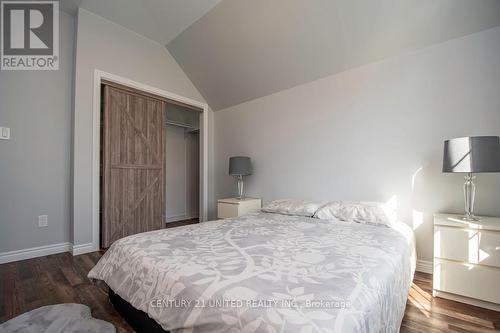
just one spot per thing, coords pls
(470, 155)
(240, 166)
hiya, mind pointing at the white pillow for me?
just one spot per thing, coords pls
(361, 212)
(293, 207)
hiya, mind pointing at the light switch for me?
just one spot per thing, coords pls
(4, 133)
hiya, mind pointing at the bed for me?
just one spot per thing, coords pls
(264, 272)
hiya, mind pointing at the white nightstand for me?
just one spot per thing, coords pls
(467, 260)
(233, 207)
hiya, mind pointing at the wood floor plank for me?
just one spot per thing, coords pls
(8, 278)
(62, 278)
(24, 269)
(444, 315)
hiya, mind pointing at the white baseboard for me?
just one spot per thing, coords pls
(83, 248)
(34, 252)
(180, 218)
(175, 218)
(424, 266)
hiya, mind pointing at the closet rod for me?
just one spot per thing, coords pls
(179, 124)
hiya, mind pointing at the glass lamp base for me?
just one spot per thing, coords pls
(469, 194)
(471, 218)
(240, 188)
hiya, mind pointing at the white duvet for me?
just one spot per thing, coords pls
(265, 273)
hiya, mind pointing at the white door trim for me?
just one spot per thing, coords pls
(96, 121)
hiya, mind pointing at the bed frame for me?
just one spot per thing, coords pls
(139, 320)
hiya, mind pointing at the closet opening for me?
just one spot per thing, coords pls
(149, 173)
(182, 165)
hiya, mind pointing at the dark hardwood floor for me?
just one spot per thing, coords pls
(428, 314)
(62, 278)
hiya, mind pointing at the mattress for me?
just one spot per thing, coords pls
(265, 272)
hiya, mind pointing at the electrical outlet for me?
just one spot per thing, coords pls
(43, 221)
(4, 133)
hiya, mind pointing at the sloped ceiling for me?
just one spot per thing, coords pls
(245, 49)
(159, 20)
(238, 50)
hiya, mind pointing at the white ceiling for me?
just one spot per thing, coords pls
(245, 49)
(237, 50)
(159, 20)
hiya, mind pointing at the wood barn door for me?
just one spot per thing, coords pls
(133, 164)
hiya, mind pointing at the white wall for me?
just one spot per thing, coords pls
(109, 47)
(182, 171)
(373, 133)
(35, 163)
(176, 176)
(193, 174)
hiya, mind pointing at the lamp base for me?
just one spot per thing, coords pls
(469, 195)
(470, 218)
(240, 188)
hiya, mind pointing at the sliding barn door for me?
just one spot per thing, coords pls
(133, 170)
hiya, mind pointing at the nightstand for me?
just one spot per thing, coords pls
(467, 260)
(233, 207)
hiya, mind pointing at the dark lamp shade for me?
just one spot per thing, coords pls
(474, 154)
(240, 166)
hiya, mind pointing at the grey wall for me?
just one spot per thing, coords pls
(193, 174)
(35, 163)
(373, 133)
(182, 171)
(176, 168)
(109, 47)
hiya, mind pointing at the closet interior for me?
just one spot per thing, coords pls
(182, 163)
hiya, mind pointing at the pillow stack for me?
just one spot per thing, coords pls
(293, 207)
(351, 211)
